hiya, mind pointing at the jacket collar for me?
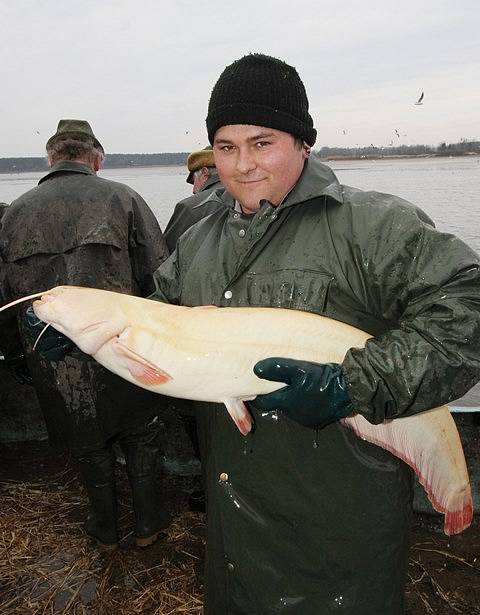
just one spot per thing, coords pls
(67, 166)
(316, 180)
(212, 179)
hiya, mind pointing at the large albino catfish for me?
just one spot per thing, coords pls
(208, 354)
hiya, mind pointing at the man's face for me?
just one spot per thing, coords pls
(256, 163)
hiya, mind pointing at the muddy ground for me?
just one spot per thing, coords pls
(48, 565)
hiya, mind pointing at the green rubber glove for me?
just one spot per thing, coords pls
(53, 345)
(315, 395)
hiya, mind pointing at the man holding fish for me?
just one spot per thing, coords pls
(78, 228)
(304, 517)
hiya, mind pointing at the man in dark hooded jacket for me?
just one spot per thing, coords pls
(304, 517)
(77, 228)
(203, 176)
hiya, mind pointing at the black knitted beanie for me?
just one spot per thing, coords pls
(262, 91)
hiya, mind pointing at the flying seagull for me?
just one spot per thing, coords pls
(419, 101)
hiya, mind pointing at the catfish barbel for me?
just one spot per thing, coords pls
(207, 354)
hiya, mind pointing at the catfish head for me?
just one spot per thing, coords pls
(89, 317)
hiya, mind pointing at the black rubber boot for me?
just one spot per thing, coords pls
(143, 452)
(196, 501)
(97, 471)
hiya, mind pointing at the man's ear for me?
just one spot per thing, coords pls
(205, 172)
(97, 163)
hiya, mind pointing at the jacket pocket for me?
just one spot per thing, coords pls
(300, 289)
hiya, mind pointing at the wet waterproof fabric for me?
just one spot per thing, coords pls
(10, 345)
(192, 209)
(3, 270)
(307, 522)
(77, 228)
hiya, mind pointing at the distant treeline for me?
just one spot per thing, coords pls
(112, 161)
(463, 148)
(121, 161)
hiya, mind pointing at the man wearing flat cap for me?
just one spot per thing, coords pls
(203, 175)
(201, 168)
(304, 517)
(77, 228)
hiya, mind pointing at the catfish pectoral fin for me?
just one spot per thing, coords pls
(141, 370)
(240, 414)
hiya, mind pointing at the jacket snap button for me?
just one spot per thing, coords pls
(230, 567)
(228, 294)
(223, 477)
(241, 232)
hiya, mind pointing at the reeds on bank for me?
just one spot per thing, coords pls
(48, 564)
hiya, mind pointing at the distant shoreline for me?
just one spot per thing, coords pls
(398, 156)
(112, 161)
(141, 161)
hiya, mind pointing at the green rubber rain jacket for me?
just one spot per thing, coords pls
(303, 522)
(192, 209)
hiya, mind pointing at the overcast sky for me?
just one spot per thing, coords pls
(141, 72)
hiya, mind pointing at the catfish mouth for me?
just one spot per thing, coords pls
(43, 300)
(42, 295)
(88, 337)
